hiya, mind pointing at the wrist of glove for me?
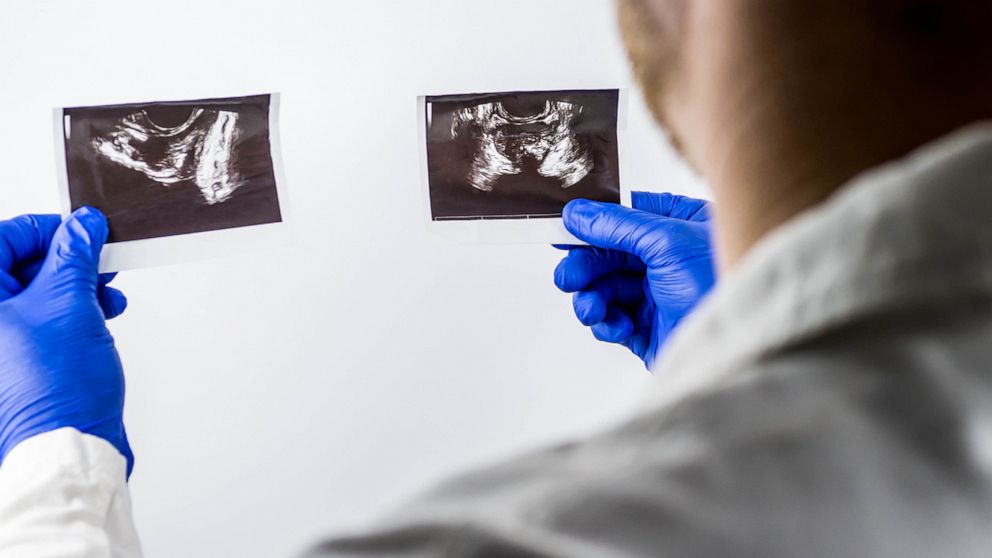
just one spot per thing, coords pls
(645, 268)
(58, 364)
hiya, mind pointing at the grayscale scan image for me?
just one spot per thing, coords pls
(162, 169)
(520, 155)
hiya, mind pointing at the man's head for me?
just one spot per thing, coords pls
(778, 102)
(682, 50)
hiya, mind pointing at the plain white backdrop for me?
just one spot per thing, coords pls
(279, 396)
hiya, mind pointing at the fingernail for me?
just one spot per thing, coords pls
(89, 215)
(582, 209)
(94, 223)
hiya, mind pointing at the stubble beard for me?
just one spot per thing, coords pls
(653, 59)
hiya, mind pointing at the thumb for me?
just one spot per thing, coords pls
(74, 255)
(614, 227)
(671, 205)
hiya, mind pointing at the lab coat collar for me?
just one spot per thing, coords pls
(914, 232)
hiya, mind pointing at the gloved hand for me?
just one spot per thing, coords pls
(645, 270)
(58, 364)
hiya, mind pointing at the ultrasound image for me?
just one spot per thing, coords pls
(506, 140)
(200, 150)
(520, 155)
(162, 169)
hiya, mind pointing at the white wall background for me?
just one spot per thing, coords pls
(277, 397)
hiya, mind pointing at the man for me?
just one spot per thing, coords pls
(832, 397)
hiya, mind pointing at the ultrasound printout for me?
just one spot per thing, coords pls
(520, 155)
(171, 168)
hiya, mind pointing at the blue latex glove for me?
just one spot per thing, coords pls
(645, 270)
(58, 364)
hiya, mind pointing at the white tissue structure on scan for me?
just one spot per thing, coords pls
(506, 141)
(200, 150)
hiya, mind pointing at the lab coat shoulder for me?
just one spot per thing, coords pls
(811, 452)
(618, 494)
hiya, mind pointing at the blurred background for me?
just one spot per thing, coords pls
(284, 395)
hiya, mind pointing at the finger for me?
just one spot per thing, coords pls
(112, 302)
(615, 227)
(671, 205)
(9, 287)
(11, 284)
(639, 344)
(616, 328)
(584, 265)
(74, 255)
(24, 238)
(27, 271)
(618, 289)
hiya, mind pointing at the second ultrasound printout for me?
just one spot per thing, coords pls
(501, 166)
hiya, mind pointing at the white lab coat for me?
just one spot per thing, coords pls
(832, 397)
(64, 494)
